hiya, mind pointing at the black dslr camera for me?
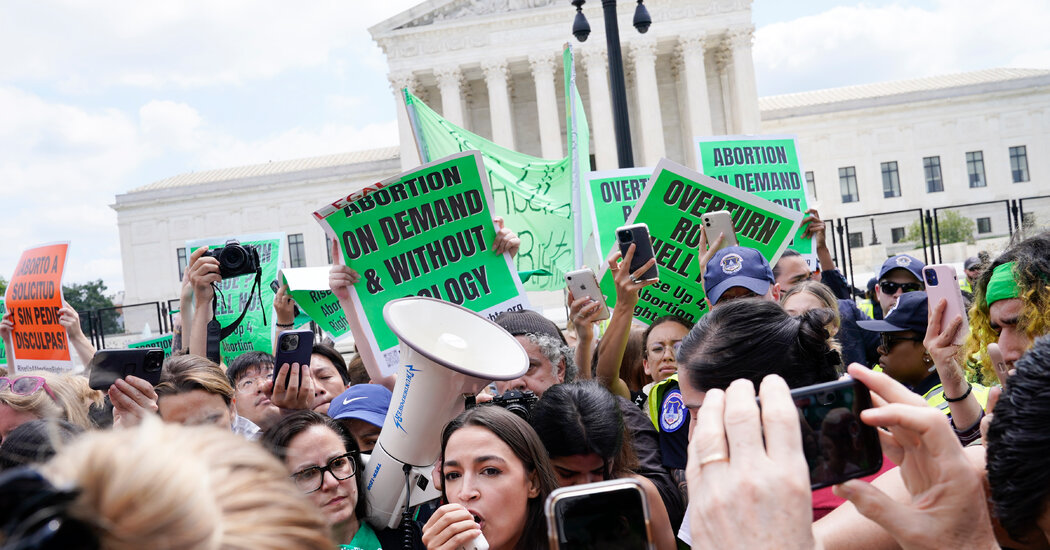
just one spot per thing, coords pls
(517, 402)
(235, 259)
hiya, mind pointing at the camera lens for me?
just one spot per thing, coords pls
(290, 342)
(520, 410)
(827, 398)
(931, 277)
(625, 236)
(233, 257)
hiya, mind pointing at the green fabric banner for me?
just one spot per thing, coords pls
(767, 166)
(309, 288)
(426, 232)
(671, 205)
(611, 195)
(533, 195)
(162, 342)
(232, 296)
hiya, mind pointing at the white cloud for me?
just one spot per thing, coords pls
(169, 124)
(862, 43)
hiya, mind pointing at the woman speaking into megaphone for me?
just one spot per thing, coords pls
(496, 477)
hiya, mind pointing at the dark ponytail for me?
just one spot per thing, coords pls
(752, 338)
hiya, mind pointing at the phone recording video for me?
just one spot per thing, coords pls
(838, 446)
(607, 515)
(110, 364)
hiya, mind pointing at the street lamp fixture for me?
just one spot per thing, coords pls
(581, 29)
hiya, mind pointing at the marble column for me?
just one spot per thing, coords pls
(643, 59)
(745, 91)
(694, 79)
(409, 150)
(450, 80)
(547, 106)
(497, 79)
(723, 60)
(603, 134)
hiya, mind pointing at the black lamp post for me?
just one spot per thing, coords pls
(581, 29)
(874, 237)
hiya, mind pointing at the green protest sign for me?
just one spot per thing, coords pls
(426, 232)
(308, 287)
(612, 195)
(232, 296)
(671, 205)
(767, 166)
(3, 348)
(162, 342)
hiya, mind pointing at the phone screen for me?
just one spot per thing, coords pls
(837, 444)
(613, 520)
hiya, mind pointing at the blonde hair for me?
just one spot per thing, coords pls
(174, 487)
(822, 293)
(186, 373)
(67, 404)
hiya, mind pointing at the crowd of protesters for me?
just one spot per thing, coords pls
(240, 456)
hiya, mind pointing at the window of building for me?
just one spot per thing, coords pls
(1019, 163)
(984, 225)
(848, 184)
(897, 234)
(932, 167)
(811, 184)
(296, 250)
(180, 255)
(975, 168)
(856, 240)
(891, 181)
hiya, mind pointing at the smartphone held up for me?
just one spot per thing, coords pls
(583, 284)
(607, 515)
(942, 282)
(638, 235)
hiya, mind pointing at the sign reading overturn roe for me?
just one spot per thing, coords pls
(671, 205)
(427, 232)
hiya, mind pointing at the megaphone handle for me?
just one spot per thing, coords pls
(477, 544)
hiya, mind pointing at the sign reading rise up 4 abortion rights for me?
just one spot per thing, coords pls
(34, 296)
(309, 288)
(233, 296)
(427, 232)
(671, 205)
(767, 166)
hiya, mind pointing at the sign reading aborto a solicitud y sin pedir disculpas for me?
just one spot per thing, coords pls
(426, 232)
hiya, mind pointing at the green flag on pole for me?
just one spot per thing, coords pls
(534, 196)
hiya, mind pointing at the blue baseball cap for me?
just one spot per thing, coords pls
(737, 266)
(910, 313)
(903, 261)
(367, 402)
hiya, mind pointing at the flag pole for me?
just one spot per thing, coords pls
(577, 215)
(417, 133)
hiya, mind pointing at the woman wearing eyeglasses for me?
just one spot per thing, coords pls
(904, 357)
(35, 395)
(323, 461)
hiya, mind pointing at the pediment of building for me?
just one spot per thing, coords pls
(436, 11)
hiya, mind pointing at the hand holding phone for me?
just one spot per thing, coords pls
(583, 284)
(610, 515)
(719, 223)
(943, 283)
(110, 364)
(293, 346)
(638, 235)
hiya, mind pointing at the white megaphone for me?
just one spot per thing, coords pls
(447, 351)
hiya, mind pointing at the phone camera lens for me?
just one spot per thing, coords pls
(931, 277)
(625, 236)
(827, 398)
(290, 342)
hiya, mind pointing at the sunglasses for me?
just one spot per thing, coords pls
(889, 341)
(25, 385)
(890, 287)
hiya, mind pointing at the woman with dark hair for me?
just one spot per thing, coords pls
(582, 429)
(324, 463)
(496, 477)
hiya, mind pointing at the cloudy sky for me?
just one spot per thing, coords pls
(97, 98)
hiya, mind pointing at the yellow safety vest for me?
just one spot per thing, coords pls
(935, 397)
(964, 284)
(867, 307)
(656, 398)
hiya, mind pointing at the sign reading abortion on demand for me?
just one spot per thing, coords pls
(767, 166)
(612, 195)
(671, 205)
(235, 294)
(34, 297)
(427, 232)
(308, 287)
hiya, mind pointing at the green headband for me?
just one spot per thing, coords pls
(1002, 285)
